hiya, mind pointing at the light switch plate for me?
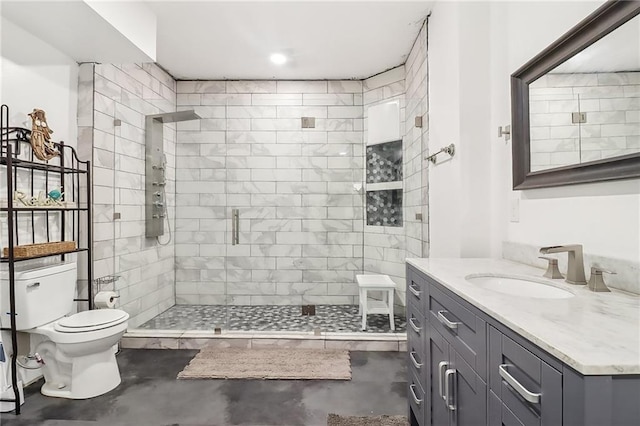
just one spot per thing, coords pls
(514, 210)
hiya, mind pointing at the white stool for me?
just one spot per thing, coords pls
(381, 283)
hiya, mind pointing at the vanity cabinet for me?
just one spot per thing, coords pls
(467, 368)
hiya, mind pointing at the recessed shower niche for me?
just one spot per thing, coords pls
(384, 184)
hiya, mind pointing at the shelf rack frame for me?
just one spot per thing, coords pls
(14, 157)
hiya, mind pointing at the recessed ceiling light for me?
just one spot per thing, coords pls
(278, 58)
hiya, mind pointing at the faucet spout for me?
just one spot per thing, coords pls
(575, 267)
(560, 249)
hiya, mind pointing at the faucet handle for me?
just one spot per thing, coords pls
(552, 268)
(597, 270)
(596, 282)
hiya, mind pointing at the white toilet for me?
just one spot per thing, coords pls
(78, 350)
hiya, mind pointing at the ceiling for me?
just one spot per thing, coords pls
(322, 39)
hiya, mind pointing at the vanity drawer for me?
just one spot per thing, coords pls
(416, 397)
(530, 388)
(417, 289)
(464, 330)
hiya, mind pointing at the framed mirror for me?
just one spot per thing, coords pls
(575, 107)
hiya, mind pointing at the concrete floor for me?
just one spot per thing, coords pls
(150, 395)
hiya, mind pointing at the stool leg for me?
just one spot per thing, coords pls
(364, 308)
(360, 301)
(390, 300)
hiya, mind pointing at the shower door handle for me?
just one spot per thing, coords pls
(235, 226)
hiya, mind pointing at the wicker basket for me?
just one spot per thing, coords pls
(43, 249)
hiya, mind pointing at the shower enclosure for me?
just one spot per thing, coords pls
(270, 214)
(264, 198)
(267, 213)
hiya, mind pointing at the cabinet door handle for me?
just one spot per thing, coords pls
(413, 394)
(517, 386)
(453, 325)
(441, 367)
(414, 326)
(449, 390)
(412, 356)
(413, 290)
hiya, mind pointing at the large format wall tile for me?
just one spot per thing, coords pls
(293, 187)
(146, 268)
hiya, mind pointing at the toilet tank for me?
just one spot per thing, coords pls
(42, 295)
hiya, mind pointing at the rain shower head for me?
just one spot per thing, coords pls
(173, 117)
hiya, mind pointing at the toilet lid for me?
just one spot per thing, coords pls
(91, 319)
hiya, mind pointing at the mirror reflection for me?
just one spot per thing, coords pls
(588, 108)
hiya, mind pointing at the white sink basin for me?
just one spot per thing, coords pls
(518, 286)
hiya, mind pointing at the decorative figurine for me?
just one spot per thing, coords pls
(41, 143)
(54, 199)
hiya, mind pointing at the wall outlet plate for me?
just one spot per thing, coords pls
(514, 210)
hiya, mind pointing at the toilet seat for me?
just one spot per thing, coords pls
(90, 321)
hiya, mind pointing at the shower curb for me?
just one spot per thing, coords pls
(183, 339)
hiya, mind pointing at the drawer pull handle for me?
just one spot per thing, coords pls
(453, 325)
(441, 367)
(415, 362)
(449, 393)
(414, 326)
(517, 386)
(413, 394)
(413, 290)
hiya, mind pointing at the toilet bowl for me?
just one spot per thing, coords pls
(78, 350)
(78, 353)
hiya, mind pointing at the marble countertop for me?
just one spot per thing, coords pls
(594, 333)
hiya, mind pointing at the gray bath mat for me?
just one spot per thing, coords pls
(285, 364)
(336, 420)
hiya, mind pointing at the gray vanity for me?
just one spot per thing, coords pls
(481, 357)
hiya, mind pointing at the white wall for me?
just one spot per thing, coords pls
(473, 50)
(35, 75)
(459, 187)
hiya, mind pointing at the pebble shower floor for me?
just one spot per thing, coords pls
(328, 318)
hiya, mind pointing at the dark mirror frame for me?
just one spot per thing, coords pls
(604, 20)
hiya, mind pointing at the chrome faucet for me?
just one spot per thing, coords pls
(575, 268)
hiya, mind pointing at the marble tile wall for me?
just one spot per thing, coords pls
(416, 143)
(611, 102)
(301, 220)
(146, 268)
(385, 246)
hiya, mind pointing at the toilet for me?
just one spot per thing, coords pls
(78, 350)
